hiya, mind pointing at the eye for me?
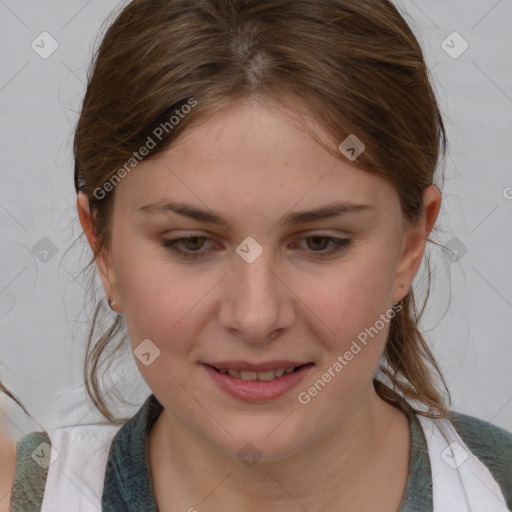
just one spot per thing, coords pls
(192, 245)
(318, 243)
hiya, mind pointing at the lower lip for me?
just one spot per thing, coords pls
(252, 390)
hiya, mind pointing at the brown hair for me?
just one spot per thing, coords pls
(356, 65)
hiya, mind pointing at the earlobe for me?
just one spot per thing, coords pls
(107, 275)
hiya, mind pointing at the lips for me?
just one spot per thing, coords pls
(257, 381)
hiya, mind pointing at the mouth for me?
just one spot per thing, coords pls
(257, 382)
(253, 375)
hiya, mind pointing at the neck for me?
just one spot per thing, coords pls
(345, 467)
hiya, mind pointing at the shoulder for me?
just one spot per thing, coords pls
(32, 461)
(491, 444)
(483, 438)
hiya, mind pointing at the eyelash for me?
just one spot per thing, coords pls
(340, 244)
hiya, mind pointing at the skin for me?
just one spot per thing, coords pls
(252, 163)
(7, 464)
(7, 469)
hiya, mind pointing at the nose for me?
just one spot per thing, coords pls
(257, 304)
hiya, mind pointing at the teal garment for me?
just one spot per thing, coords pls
(127, 481)
(29, 477)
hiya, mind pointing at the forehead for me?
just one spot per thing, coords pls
(255, 152)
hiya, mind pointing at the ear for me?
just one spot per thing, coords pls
(104, 260)
(416, 235)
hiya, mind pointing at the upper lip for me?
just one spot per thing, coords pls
(251, 367)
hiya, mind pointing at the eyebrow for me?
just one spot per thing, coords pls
(193, 212)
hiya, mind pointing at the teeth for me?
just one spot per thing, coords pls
(262, 376)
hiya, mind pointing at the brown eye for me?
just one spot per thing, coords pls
(189, 247)
(323, 245)
(192, 242)
(319, 242)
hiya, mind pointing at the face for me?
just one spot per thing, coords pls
(256, 286)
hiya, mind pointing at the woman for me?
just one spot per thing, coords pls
(256, 182)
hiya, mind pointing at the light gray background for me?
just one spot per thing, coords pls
(44, 310)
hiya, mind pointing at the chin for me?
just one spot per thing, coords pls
(268, 443)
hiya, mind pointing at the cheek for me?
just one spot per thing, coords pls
(349, 299)
(147, 283)
(164, 302)
(356, 311)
